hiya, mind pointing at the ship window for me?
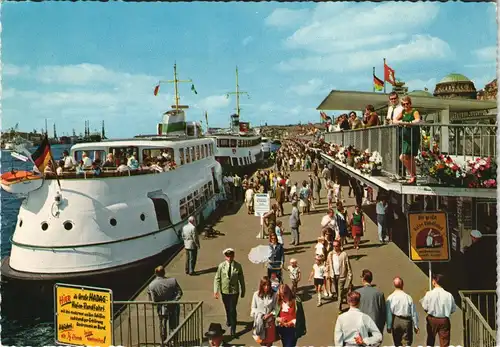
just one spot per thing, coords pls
(216, 184)
(188, 155)
(223, 142)
(193, 157)
(143, 217)
(68, 225)
(233, 143)
(197, 150)
(113, 222)
(183, 209)
(211, 149)
(162, 212)
(197, 199)
(21, 223)
(181, 156)
(240, 161)
(120, 153)
(234, 161)
(206, 191)
(206, 150)
(190, 204)
(211, 188)
(45, 226)
(94, 155)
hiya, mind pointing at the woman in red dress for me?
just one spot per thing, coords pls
(290, 317)
(357, 223)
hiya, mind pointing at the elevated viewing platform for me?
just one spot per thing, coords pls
(455, 157)
(444, 165)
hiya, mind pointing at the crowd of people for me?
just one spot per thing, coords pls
(277, 303)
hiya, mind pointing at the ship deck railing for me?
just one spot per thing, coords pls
(479, 312)
(462, 142)
(138, 324)
(105, 172)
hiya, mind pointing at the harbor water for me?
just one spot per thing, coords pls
(30, 328)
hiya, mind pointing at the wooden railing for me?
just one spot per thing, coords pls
(479, 308)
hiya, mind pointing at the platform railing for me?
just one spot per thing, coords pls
(138, 323)
(461, 141)
(479, 317)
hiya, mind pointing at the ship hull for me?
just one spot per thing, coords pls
(36, 290)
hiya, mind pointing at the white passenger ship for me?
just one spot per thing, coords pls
(238, 151)
(239, 147)
(86, 224)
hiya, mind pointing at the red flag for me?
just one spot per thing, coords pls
(157, 89)
(389, 74)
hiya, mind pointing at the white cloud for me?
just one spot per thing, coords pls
(360, 26)
(486, 53)
(313, 86)
(285, 18)
(13, 70)
(247, 40)
(416, 49)
(213, 103)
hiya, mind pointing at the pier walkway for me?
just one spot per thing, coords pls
(239, 232)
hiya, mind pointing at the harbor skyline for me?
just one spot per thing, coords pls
(76, 61)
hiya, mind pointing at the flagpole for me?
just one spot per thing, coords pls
(373, 82)
(54, 169)
(384, 75)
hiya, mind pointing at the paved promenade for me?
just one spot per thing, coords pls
(240, 232)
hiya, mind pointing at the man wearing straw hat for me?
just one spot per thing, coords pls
(229, 281)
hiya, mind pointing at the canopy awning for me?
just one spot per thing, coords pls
(357, 101)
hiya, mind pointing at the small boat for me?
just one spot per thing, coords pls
(17, 142)
(20, 182)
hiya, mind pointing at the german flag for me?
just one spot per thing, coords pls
(378, 84)
(42, 155)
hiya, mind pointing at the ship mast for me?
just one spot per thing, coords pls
(237, 93)
(176, 81)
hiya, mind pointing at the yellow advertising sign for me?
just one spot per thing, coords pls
(83, 315)
(428, 236)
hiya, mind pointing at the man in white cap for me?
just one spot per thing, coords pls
(480, 261)
(229, 281)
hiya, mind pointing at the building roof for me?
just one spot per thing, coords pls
(357, 101)
(454, 77)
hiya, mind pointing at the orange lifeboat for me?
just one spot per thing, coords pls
(21, 182)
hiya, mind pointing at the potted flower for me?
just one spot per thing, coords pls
(376, 163)
(483, 172)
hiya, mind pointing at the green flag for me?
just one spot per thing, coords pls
(193, 89)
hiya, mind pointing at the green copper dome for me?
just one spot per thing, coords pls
(420, 93)
(454, 77)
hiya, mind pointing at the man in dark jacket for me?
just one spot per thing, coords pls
(372, 300)
(166, 289)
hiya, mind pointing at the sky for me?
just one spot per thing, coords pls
(68, 62)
